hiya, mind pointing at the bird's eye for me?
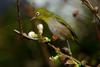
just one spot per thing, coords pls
(37, 13)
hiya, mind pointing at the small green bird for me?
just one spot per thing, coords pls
(56, 24)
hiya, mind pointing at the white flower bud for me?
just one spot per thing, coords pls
(40, 28)
(33, 35)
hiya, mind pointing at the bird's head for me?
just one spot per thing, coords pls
(41, 13)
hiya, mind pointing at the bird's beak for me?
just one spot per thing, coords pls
(32, 18)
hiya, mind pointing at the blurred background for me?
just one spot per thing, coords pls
(25, 53)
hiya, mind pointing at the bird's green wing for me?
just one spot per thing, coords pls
(59, 19)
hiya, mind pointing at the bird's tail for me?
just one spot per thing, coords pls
(76, 40)
(74, 37)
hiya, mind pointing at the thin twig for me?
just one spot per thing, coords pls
(23, 34)
(60, 53)
(94, 10)
(19, 16)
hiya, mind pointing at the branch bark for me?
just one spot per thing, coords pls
(19, 16)
(94, 10)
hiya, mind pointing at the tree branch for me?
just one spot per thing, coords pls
(42, 45)
(56, 49)
(93, 9)
(19, 16)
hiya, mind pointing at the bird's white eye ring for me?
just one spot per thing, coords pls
(37, 13)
